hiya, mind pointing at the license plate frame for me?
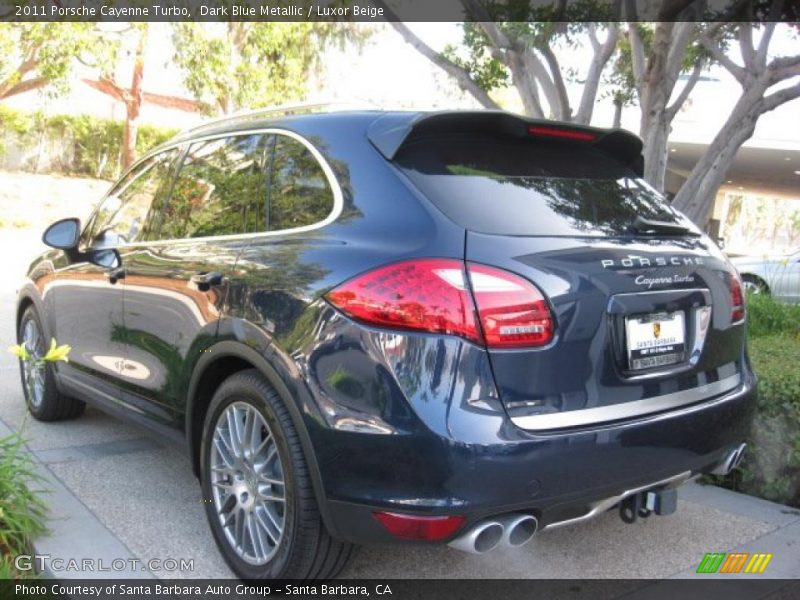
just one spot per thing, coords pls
(655, 340)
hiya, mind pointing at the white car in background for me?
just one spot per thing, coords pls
(775, 275)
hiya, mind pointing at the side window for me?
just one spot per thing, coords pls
(122, 215)
(299, 193)
(220, 187)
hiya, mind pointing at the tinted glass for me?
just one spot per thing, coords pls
(299, 192)
(121, 217)
(220, 190)
(527, 187)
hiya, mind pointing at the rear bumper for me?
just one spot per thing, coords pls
(433, 449)
(557, 480)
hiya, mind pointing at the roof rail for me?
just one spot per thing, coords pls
(280, 110)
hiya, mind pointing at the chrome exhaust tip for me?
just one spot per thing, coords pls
(739, 455)
(480, 538)
(518, 529)
(732, 460)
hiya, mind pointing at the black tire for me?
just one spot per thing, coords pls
(755, 284)
(306, 550)
(54, 406)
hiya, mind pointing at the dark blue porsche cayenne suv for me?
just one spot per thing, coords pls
(398, 327)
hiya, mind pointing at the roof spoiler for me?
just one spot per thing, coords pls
(390, 132)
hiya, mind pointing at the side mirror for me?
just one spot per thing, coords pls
(63, 234)
(108, 258)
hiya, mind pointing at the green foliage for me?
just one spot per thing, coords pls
(95, 143)
(252, 65)
(22, 511)
(620, 84)
(771, 468)
(767, 316)
(524, 25)
(43, 53)
(476, 58)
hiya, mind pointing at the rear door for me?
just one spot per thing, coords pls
(177, 277)
(642, 302)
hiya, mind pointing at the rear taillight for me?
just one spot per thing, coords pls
(410, 527)
(737, 299)
(433, 296)
(421, 295)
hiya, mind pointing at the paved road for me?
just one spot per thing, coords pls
(120, 480)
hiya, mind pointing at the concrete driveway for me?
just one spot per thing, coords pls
(118, 490)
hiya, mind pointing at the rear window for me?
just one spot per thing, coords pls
(531, 187)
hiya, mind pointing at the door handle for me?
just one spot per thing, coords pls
(115, 275)
(204, 281)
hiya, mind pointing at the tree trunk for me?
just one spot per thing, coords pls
(696, 197)
(129, 135)
(617, 115)
(655, 85)
(133, 104)
(654, 131)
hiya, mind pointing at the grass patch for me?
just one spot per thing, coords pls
(768, 317)
(22, 510)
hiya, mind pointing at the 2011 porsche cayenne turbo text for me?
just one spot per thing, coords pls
(397, 327)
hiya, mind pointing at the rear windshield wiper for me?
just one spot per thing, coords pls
(653, 227)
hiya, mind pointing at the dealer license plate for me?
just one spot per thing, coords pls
(655, 340)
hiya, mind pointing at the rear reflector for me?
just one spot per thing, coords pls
(737, 299)
(410, 527)
(434, 296)
(567, 134)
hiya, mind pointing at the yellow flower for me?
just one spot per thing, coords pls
(57, 353)
(20, 352)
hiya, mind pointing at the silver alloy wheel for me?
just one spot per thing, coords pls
(247, 483)
(33, 373)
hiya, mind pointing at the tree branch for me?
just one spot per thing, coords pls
(564, 110)
(600, 59)
(502, 47)
(460, 74)
(528, 72)
(683, 34)
(24, 86)
(107, 86)
(782, 68)
(694, 77)
(592, 33)
(637, 57)
(746, 45)
(719, 55)
(783, 96)
(763, 44)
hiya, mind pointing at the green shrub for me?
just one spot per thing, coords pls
(22, 511)
(771, 467)
(95, 143)
(767, 316)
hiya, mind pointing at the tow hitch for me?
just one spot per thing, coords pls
(643, 504)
